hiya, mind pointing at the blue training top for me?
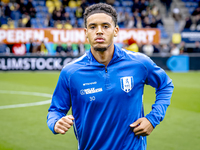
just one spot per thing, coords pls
(106, 100)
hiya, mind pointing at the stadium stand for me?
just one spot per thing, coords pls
(68, 14)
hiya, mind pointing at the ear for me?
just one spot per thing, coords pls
(85, 30)
(116, 31)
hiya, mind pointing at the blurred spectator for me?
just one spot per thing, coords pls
(22, 7)
(159, 19)
(177, 18)
(57, 18)
(63, 12)
(167, 4)
(197, 47)
(81, 49)
(198, 22)
(60, 50)
(188, 22)
(136, 6)
(146, 23)
(110, 2)
(164, 50)
(121, 19)
(1, 9)
(154, 23)
(154, 10)
(31, 46)
(142, 5)
(136, 14)
(47, 21)
(65, 3)
(29, 5)
(3, 19)
(182, 47)
(25, 21)
(57, 15)
(76, 24)
(30, 9)
(69, 50)
(143, 14)
(174, 49)
(20, 24)
(156, 48)
(138, 22)
(79, 12)
(67, 17)
(196, 11)
(148, 49)
(75, 49)
(43, 50)
(130, 23)
(4, 49)
(36, 46)
(16, 14)
(7, 11)
(84, 5)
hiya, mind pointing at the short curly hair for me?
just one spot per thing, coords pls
(100, 8)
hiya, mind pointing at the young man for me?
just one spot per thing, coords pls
(104, 87)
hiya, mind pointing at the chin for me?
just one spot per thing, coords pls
(100, 49)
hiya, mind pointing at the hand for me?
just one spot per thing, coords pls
(64, 124)
(142, 127)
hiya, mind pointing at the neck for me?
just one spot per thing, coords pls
(105, 56)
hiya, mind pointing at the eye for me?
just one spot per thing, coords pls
(105, 26)
(92, 27)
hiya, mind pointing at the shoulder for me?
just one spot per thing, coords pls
(71, 67)
(138, 57)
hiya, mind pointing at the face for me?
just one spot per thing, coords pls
(100, 31)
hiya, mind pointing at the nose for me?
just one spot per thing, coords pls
(99, 30)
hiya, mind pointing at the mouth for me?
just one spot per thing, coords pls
(99, 40)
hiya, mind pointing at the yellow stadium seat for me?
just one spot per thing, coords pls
(24, 20)
(6, 1)
(72, 4)
(68, 26)
(78, 3)
(59, 26)
(4, 26)
(51, 9)
(49, 4)
(12, 7)
(57, 3)
(133, 47)
(176, 38)
(12, 26)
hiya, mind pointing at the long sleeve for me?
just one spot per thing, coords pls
(157, 78)
(60, 104)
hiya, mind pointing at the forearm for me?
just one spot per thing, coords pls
(162, 102)
(52, 118)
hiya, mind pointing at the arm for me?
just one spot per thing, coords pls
(60, 105)
(163, 85)
(157, 78)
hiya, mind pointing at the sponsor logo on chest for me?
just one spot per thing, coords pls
(90, 91)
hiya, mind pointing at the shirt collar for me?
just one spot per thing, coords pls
(117, 55)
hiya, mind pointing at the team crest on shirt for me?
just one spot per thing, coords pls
(126, 83)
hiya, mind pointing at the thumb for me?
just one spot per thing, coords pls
(135, 124)
(71, 117)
